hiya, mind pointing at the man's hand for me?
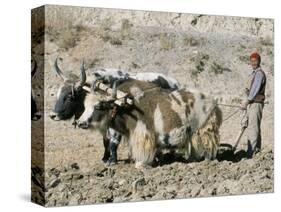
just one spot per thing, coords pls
(245, 105)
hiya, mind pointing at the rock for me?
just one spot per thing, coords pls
(250, 162)
(122, 182)
(137, 184)
(66, 177)
(54, 172)
(196, 189)
(75, 166)
(75, 198)
(244, 177)
(36, 170)
(37, 181)
(105, 172)
(77, 176)
(54, 183)
(222, 189)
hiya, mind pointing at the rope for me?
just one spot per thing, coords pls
(229, 105)
(235, 112)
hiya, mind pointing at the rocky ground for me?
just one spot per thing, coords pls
(209, 53)
(70, 185)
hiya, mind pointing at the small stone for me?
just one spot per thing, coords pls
(54, 172)
(54, 183)
(122, 182)
(75, 166)
(36, 170)
(66, 177)
(77, 176)
(137, 184)
(196, 190)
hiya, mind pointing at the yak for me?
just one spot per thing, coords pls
(150, 118)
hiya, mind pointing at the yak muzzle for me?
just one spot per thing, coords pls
(36, 116)
(83, 125)
(54, 116)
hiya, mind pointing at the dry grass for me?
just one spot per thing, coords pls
(219, 69)
(115, 41)
(94, 62)
(195, 20)
(166, 42)
(117, 37)
(267, 41)
(112, 38)
(191, 41)
(126, 25)
(200, 61)
(67, 38)
(244, 58)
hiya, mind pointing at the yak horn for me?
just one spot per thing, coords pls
(33, 71)
(86, 88)
(59, 72)
(83, 74)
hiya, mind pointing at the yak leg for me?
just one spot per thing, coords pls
(106, 154)
(113, 146)
(143, 146)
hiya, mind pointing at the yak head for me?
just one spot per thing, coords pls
(99, 106)
(70, 96)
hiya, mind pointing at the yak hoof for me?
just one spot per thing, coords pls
(111, 162)
(104, 160)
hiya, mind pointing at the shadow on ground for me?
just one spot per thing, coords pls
(225, 153)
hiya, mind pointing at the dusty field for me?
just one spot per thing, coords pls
(203, 52)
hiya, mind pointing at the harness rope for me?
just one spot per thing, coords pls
(231, 115)
(236, 111)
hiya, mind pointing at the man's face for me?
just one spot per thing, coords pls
(254, 63)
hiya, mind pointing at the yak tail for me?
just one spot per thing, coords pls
(206, 140)
(143, 145)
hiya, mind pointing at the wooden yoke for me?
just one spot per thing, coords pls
(121, 97)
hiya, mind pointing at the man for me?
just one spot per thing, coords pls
(255, 103)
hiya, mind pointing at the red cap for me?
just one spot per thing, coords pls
(256, 56)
